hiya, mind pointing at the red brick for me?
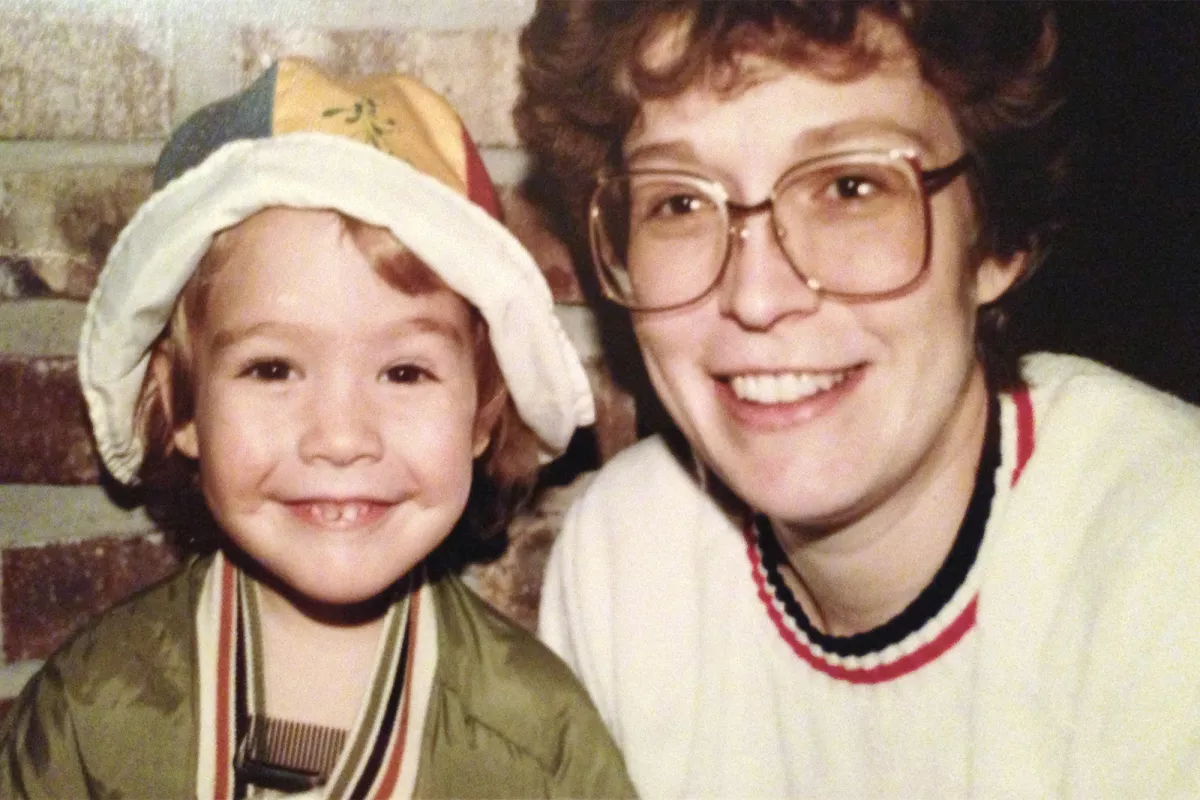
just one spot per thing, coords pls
(43, 426)
(50, 592)
(513, 584)
(91, 207)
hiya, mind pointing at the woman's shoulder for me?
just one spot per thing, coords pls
(1099, 434)
(1070, 391)
(1111, 491)
(652, 483)
(652, 486)
(639, 467)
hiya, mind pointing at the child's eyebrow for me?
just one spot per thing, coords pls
(433, 325)
(226, 338)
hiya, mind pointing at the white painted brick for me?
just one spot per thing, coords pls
(427, 14)
(35, 515)
(40, 327)
(13, 677)
(67, 78)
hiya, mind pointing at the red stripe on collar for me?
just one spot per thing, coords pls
(1024, 406)
(911, 662)
(391, 771)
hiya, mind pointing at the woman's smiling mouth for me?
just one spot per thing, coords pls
(769, 388)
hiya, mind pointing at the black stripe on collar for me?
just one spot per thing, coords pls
(934, 597)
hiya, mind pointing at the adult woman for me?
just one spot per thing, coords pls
(884, 560)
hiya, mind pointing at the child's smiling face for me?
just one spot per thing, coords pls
(335, 415)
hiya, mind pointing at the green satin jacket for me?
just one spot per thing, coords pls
(113, 713)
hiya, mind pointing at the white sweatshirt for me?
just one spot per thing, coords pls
(1063, 663)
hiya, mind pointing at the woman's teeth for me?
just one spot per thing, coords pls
(784, 387)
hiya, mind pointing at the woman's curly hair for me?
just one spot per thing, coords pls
(584, 73)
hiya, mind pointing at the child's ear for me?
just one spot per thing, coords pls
(485, 421)
(183, 436)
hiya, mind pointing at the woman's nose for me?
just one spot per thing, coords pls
(760, 285)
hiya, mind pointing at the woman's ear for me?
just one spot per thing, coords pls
(185, 440)
(182, 436)
(995, 276)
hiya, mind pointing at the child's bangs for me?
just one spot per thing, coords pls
(398, 265)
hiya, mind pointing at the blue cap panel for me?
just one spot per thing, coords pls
(244, 116)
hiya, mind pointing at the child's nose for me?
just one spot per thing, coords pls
(342, 427)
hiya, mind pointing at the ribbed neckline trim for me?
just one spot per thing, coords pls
(933, 623)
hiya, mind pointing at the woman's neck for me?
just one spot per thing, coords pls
(861, 575)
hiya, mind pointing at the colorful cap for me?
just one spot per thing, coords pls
(385, 150)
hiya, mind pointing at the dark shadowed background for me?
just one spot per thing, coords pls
(1123, 283)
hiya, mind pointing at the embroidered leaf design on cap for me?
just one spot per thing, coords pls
(365, 115)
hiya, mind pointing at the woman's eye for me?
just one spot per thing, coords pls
(269, 370)
(670, 203)
(678, 205)
(406, 373)
(853, 187)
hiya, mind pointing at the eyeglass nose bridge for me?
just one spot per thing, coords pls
(739, 215)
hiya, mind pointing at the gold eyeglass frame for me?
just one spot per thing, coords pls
(929, 181)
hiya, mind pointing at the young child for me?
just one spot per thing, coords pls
(316, 320)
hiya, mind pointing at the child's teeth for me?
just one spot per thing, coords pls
(785, 387)
(330, 513)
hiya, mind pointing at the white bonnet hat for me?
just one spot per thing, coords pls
(385, 150)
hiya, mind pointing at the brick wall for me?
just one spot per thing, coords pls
(88, 93)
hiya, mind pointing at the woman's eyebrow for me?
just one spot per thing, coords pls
(809, 140)
(828, 137)
(675, 150)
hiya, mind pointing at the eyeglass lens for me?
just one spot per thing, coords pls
(855, 224)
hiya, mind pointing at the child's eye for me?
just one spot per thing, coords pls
(406, 373)
(269, 370)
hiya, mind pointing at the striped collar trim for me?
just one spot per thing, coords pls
(895, 650)
(380, 757)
